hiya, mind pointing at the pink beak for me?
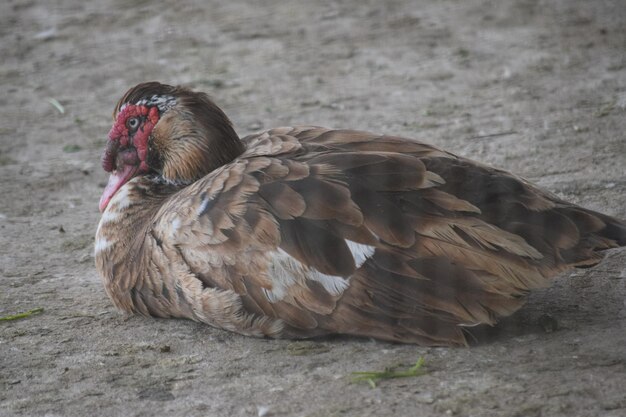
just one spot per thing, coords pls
(118, 178)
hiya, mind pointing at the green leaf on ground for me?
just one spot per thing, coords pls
(372, 376)
(71, 148)
(606, 109)
(22, 315)
(55, 103)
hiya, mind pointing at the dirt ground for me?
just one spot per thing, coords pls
(536, 87)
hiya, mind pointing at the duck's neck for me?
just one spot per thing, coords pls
(122, 232)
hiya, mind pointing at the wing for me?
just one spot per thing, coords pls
(316, 231)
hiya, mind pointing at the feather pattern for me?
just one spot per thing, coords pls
(309, 231)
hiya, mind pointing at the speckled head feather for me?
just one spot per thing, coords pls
(149, 94)
(193, 136)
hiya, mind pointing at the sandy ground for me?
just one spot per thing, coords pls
(547, 78)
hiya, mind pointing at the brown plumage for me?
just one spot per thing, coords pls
(305, 231)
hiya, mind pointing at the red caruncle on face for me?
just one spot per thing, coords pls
(121, 137)
(127, 147)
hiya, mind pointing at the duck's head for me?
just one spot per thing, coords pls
(166, 131)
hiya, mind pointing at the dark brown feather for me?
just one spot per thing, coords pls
(316, 247)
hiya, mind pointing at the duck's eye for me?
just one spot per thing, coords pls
(132, 124)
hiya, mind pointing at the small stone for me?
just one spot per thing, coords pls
(85, 258)
(165, 349)
(46, 35)
(256, 125)
(548, 323)
(425, 398)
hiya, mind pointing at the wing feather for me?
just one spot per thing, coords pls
(448, 242)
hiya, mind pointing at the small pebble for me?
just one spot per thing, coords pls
(256, 125)
(548, 323)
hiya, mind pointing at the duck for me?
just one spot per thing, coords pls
(303, 231)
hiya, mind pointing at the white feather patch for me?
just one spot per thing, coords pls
(283, 272)
(286, 271)
(109, 216)
(360, 252)
(102, 244)
(203, 205)
(334, 285)
(121, 199)
(175, 225)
